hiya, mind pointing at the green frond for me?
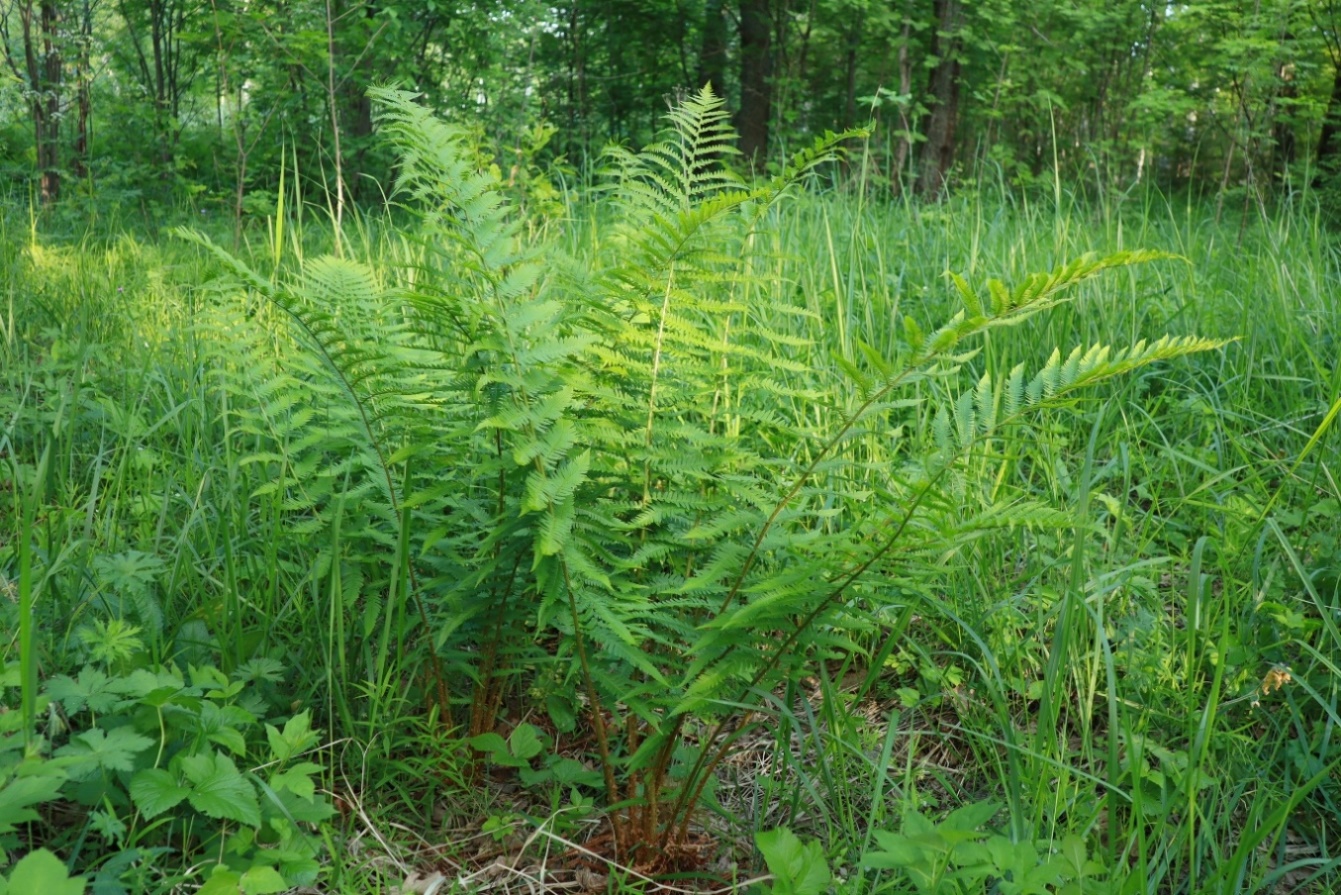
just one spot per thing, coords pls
(979, 412)
(1006, 306)
(644, 452)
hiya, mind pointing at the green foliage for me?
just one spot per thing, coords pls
(797, 868)
(1109, 609)
(152, 755)
(957, 855)
(41, 871)
(604, 444)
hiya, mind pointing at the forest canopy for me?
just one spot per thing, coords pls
(174, 99)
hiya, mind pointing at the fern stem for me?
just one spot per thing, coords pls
(652, 387)
(702, 770)
(806, 473)
(597, 718)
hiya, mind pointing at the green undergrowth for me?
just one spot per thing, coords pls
(692, 530)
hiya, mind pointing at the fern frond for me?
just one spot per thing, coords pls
(1005, 306)
(980, 411)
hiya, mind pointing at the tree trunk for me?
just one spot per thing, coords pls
(1283, 144)
(712, 50)
(83, 91)
(756, 80)
(850, 79)
(904, 145)
(938, 151)
(161, 42)
(577, 81)
(1329, 141)
(155, 29)
(355, 51)
(48, 122)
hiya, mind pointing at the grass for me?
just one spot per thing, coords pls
(1158, 678)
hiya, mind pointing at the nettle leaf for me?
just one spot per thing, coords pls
(43, 872)
(490, 743)
(296, 738)
(19, 795)
(525, 742)
(154, 688)
(219, 790)
(92, 689)
(497, 749)
(297, 779)
(262, 669)
(894, 851)
(221, 724)
(222, 881)
(96, 749)
(262, 881)
(154, 791)
(300, 808)
(798, 869)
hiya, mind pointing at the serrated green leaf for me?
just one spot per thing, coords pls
(313, 810)
(96, 749)
(797, 868)
(262, 881)
(219, 791)
(490, 743)
(894, 851)
(525, 742)
(19, 795)
(154, 791)
(296, 738)
(297, 779)
(93, 688)
(571, 772)
(42, 872)
(222, 881)
(561, 713)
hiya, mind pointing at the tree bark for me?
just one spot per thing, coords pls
(712, 49)
(156, 29)
(1329, 140)
(356, 51)
(903, 147)
(83, 91)
(1283, 144)
(850, 78)
(938, 151)
(756, 80)
(49, 123)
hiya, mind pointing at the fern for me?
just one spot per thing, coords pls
(587, 458)
(978, 412)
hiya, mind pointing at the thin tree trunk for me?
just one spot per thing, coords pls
(850, 79)
(333, 104)
(938, 151)
(712, 49)
(1283, 144)
(904, 145)
(49, 127)
(1329, 140)
(356, 46)
(756, 80)
(39, 71)
(83, 91)
(164, 88)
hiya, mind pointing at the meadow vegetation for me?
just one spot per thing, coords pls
(681, 534)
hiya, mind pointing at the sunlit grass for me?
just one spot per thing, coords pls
(1124, 681)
